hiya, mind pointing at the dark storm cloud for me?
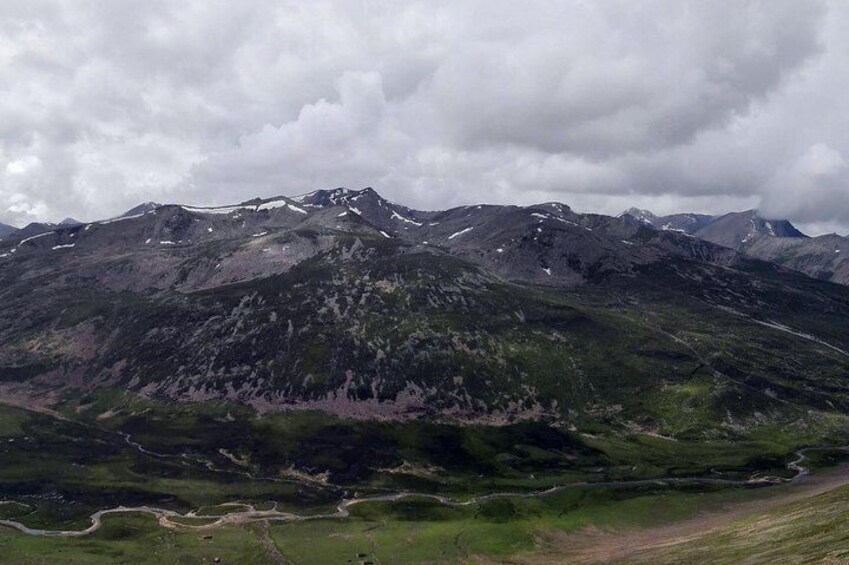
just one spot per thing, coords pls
(603, 105)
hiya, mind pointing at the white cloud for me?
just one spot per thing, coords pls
(671, 104)
(812, 189)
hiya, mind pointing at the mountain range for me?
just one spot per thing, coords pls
(342, 301)
(777, 241)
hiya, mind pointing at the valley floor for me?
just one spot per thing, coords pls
(798, 523)
(709, 504)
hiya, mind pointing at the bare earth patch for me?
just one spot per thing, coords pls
(22, 396)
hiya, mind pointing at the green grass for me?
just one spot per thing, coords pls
(811, 531)
(462, 459)
(414, 532)
(135, 539)
(66, 470)
(824, 459)
(645, 456)
(11, 422)
(411, 531)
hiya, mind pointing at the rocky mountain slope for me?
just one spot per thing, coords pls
(823, 257)
(684, 223)
(739, 229)
(34, 228)
(343, 301)
(777, 241)
(6, 229)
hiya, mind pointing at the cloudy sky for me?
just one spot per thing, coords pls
(671, 105)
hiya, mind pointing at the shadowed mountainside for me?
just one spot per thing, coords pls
(342, 301)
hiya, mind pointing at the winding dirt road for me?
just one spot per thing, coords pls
(170, 518)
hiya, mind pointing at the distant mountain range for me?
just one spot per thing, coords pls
(684, 223)
(777, 240)
(774, 240)
(35, 228)
(517, 243)
(731, 230)
(342, 301)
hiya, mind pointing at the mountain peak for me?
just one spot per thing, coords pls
(645, 216)
(684, 223)
(740, 229)
(337, 196)
(143, 208)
